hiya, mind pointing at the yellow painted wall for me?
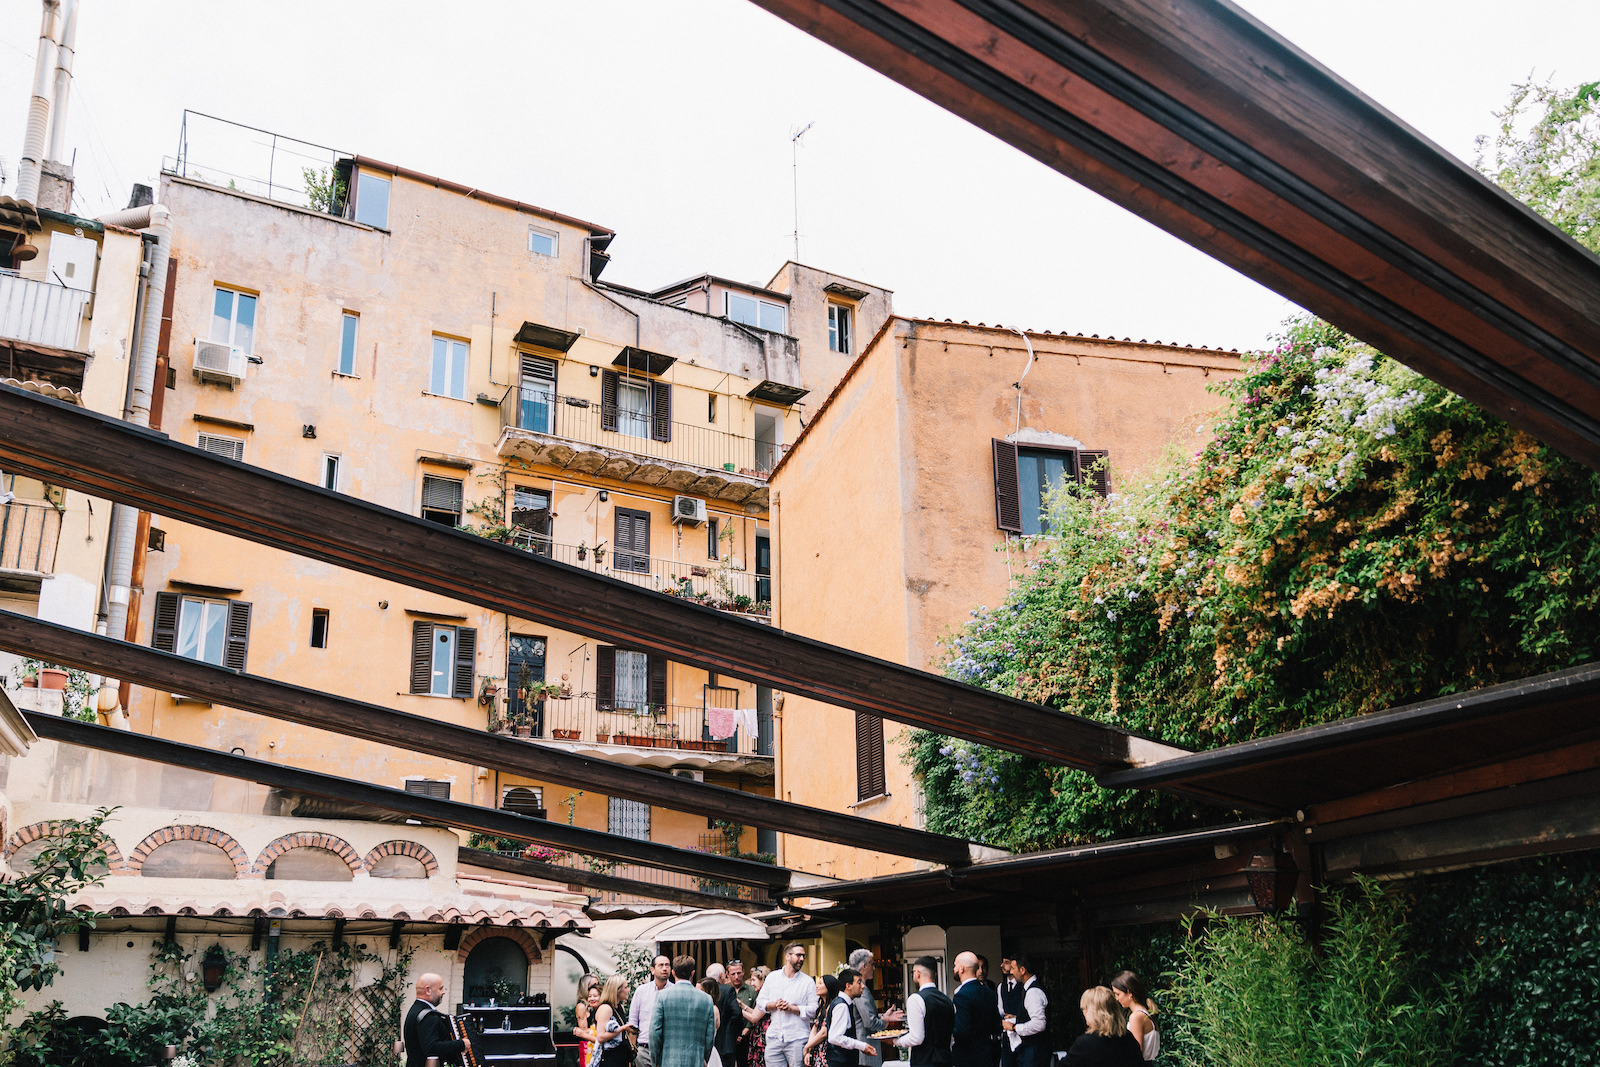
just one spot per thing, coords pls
(451, 266)
(886, 514)
(841, 537)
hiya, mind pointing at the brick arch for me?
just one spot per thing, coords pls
(56, 828)
(401, 847)
(478, 934)
(308, 839)
(190, 832)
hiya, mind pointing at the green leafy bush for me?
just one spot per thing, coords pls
(1539, 1005)
(1253, 991)
(1350, 536)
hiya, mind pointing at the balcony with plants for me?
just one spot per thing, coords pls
(634, 441)
(635, 732)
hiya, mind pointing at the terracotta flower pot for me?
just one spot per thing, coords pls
(564, 735)
(524, 731)
(52, 678)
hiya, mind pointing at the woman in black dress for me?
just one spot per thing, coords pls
(1108, 1043)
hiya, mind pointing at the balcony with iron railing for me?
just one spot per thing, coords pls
(41, 312)
(610, 441)
(29, 532)
(645, 734)
(716, 584)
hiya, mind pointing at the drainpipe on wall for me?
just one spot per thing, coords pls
(64, 54)
(33, 137)
(125, 521)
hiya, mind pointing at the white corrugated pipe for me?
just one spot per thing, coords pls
(38, 110)
(125, 520)
(64, 54)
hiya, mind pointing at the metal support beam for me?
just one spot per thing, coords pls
(114, 460)
(554, 872)
(178, 674)
(445, 812)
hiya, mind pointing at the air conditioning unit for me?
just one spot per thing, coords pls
(693, 776)
(689, 510)
(217, 362)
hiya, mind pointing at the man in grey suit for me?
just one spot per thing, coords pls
(683, 1026)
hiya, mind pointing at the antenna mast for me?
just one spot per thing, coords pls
(794, 146)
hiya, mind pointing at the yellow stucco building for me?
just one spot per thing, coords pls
(934, 449)
(454, 354)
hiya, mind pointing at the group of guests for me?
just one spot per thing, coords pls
(786, 1018)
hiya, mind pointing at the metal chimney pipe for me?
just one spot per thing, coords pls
(64, 55)
(38, 110)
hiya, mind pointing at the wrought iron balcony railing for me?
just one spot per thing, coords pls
(716, 584)
(624, 429)
(640, 724)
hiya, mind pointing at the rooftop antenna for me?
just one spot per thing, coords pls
(794, 145)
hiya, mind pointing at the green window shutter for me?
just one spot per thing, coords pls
(238, 644)
(466, 660)
(422, 657)
(164, 632)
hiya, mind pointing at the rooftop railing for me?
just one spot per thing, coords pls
(629, 429)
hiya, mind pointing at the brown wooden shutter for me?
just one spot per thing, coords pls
(238, 645)
(422, 657)
(656, 670)
(608, 399)
(1007, 488)
(605, 677)
(466, 660)
(869, 756)
(660, 411)
(164, 631)
(1094, 470)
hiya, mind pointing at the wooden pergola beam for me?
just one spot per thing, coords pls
(606, 883)
(308, 707)
(114, 460)
(1196, 117)
(414, 805)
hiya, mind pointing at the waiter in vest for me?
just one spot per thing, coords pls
(1023, 1008)
(930, 1018)
(844, 1048)
(977, 1017)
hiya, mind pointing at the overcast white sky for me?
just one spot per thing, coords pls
(669, 121)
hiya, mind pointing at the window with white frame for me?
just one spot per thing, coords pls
(347, 343)
(330, 471)
(220, 445)
(233, 319)
(449, 368)
(202, 629)
(762, 314)
(543, 242)
(838, 328)
(372, 200)
(633, 407)
(443, 659)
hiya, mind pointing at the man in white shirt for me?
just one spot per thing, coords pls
(930, 1018)
(644, 1002)
(844, 1048)
(790, 997)
(1024, 1025)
